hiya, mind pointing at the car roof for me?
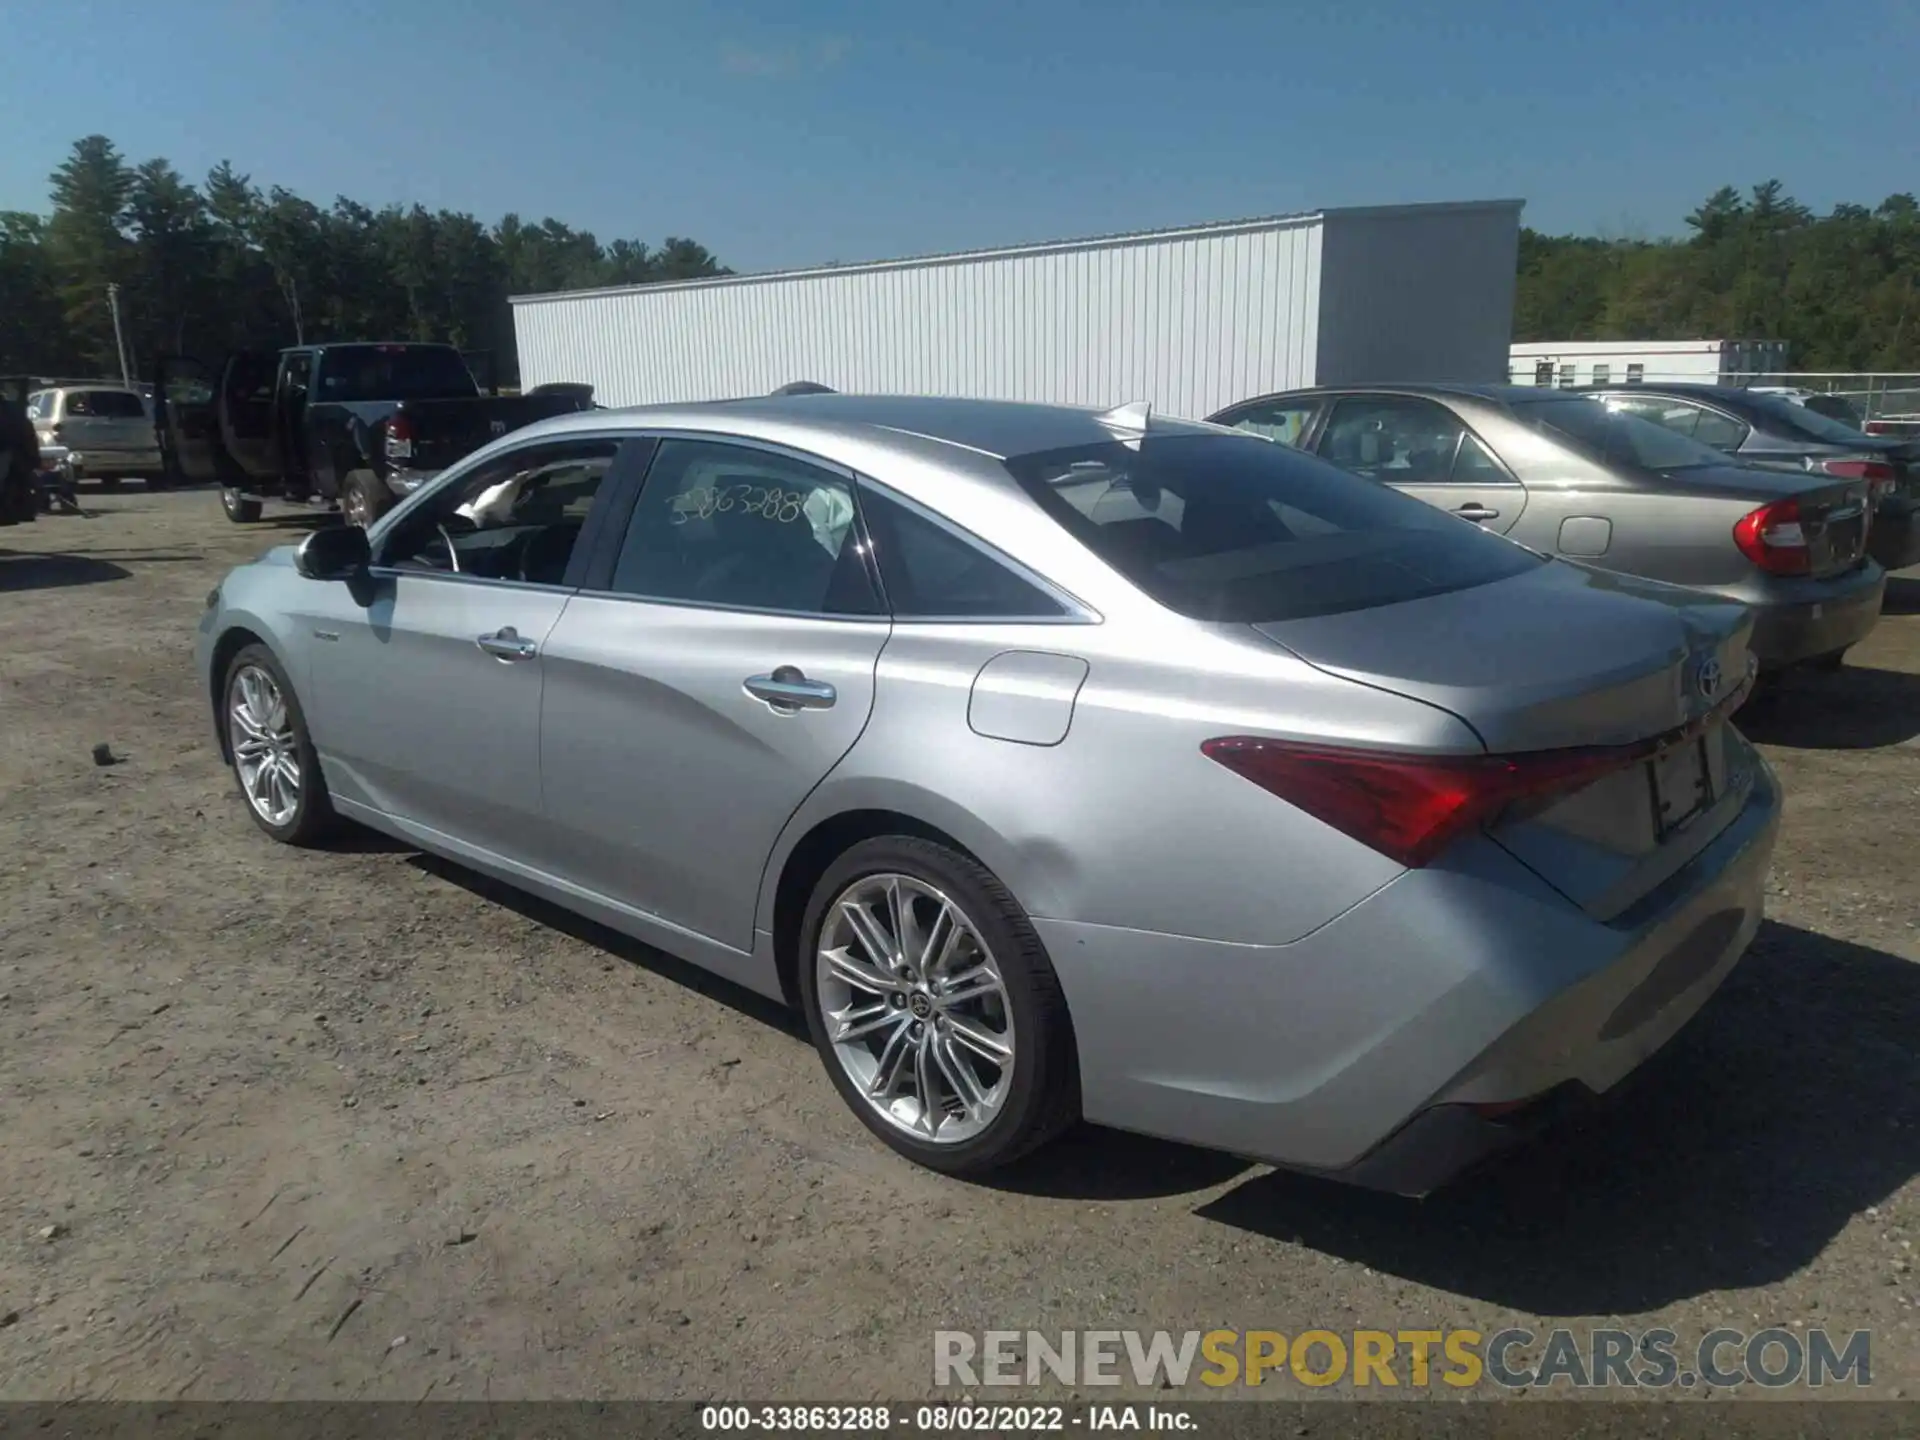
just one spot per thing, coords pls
(997, 429)
(1496, 394)
(1728, 394)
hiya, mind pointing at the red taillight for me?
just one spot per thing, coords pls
(399, 435)
(1409, 807)
(1773, 538)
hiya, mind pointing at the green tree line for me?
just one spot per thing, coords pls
(228, 264)
(1842, 289)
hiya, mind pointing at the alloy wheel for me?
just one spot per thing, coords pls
(915, 1007)
(266, 752)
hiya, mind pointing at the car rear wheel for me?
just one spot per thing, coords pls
(363, 499)
(272, 756)
(239, 509)
(109, 482)
(934, 1007)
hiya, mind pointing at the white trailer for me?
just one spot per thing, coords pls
(1566, 363)
(1188, 320)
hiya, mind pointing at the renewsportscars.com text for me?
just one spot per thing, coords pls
(1514, 1359)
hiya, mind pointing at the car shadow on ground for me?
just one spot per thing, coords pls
(38, 571)
(1855, 707)
(1790, 1105)
(1902, 597)
(620, 947)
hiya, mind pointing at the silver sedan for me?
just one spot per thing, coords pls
(1562, 474)
(1054, 763)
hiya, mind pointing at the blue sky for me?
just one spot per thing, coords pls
(784, 135)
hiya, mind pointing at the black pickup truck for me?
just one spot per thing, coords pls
(352, 427)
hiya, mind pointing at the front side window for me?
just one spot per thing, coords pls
(40, 405)
(931, 573)
(1216, 527)
(517, 517)
(1399, 440)
(725, 524)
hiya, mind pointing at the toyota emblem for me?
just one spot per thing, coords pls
(1708, 677)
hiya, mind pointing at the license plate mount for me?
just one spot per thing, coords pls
(1681, 783)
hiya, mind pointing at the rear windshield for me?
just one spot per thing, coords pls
(1802, 420)
(106, 405)
(1618, 438)
(1234, 528)
(394, 372)
(1835, 407)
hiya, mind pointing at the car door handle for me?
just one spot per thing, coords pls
(506, 644)
(1476, 513)
(788, 691)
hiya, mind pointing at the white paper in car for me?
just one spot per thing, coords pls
(494, 505)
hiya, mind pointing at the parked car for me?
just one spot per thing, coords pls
(349, 426)
(1757, 428)
(1052, 763)
(1567, 477)
(106, 430)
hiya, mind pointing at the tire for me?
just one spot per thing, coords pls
(363, 498)
(240, 510)
(294, 810)
(917, 1033)
(109, 482)
(158, 482)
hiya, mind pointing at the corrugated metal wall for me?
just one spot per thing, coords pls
(1189, 321)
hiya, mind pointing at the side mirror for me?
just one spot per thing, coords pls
(339, 552)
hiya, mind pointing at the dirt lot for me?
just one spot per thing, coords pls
(360, 1124)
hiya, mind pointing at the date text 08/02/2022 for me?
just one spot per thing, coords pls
(942, 1419)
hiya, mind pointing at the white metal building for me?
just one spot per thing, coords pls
(1188, 320)
(1567, 363)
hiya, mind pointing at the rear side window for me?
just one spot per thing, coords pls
(1218, 527)
(114, 406)
(930, 573)
(40, 405)
(737, 526)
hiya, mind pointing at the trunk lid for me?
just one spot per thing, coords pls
(1564, 657)
(1833, 513)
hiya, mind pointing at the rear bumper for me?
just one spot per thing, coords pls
(114, 463)
(1354, 1052)
(1786, 632)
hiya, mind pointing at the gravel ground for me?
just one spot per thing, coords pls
(361, 1124)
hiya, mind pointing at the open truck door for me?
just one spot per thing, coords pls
(186, 419)
(246, 411)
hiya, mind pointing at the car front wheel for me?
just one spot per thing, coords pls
(271, 753)
(935, 1008)
(238, 507)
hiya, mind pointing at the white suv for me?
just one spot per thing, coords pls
(106, 430)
